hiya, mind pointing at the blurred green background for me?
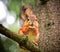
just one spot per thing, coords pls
(10, 19)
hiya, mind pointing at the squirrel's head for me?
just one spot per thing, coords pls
(32, 17)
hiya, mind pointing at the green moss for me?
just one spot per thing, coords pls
(23, 40)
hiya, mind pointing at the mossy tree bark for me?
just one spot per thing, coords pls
(21, 39)
(49, 20)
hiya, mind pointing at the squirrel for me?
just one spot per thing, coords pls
(30, 22)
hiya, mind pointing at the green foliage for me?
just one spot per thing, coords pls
(32, 2)
(9, 45)
(13, 5)
(14, 27)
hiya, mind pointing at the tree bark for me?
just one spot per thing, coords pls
(49, 20)
(21, 39)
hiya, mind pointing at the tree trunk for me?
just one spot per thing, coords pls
(21, 39)
(49, 20)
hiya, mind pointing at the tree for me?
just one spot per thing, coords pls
(48, 18)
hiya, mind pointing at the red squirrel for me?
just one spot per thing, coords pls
(30, 23)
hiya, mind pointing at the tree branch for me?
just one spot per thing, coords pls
(21, 39)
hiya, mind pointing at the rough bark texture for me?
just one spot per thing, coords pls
(49, 20)
(21, 39)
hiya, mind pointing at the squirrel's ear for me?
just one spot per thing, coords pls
(22, 16)
(28, 11)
